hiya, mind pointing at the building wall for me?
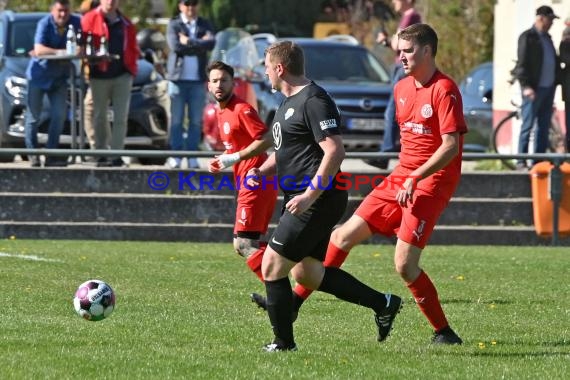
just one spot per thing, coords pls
(512, 17)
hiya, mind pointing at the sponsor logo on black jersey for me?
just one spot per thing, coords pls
(277, 138)
(327, 124)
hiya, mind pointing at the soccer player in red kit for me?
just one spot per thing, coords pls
(429, 111)
(242, 133)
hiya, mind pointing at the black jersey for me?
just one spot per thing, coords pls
(301, 122)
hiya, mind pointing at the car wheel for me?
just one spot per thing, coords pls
(6, 158)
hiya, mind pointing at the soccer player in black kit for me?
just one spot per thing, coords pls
(308, 153)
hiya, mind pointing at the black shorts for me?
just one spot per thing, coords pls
(308, 234)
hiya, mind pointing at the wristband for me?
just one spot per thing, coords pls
(227, 160)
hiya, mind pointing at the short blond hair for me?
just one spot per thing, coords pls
(289, 54)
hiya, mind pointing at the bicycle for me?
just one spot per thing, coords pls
(502, 138)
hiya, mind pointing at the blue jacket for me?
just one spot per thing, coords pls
(195, 46)
(41, 72)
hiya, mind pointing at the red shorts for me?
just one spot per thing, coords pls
(255, 208)
(413, 224)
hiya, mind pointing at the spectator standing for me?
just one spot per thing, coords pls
(190, 38)
(49, 78)
(565, 59)
(409, 201)
(85, 7)
(308, 153)
(536, 69)
(390, 142)
(111, 81)
(243, 134)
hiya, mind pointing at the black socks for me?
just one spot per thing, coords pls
(279, 309)
(281, 302)
(346, 287)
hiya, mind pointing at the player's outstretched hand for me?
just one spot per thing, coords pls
(214, 166)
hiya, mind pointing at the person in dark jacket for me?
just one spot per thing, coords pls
(536, 71)
(565, 77)
(189, 38)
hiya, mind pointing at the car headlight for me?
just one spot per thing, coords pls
(16, 86)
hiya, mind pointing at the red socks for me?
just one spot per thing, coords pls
(425, 294)
(254, 261)
(334, 258)
(301, 291)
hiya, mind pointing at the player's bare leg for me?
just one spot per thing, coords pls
(313, 274)
(406, 260)
(343, 239)
(252, 250)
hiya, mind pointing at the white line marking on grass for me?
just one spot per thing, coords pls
(27, 257)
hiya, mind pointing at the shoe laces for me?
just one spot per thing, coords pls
(383, 319)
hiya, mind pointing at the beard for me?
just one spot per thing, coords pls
(224, 97)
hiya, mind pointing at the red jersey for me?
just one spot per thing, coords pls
(425, 114)
(239, 126)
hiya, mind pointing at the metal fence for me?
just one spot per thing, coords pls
(555, 184)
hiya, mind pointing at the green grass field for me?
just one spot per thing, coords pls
(183, 311)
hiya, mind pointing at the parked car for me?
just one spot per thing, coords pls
(477, 93)
(357, 81)
(359, 84)
(149, 106)
(262, 41)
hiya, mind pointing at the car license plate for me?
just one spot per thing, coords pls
(365, 124)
